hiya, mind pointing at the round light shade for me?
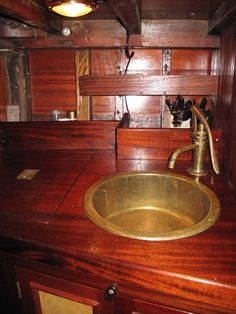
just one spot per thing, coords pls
(71, 8)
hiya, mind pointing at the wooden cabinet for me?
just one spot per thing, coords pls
(45, 294)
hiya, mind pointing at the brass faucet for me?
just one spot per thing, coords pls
(201, 139)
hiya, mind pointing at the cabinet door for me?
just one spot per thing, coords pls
(44, 294)
(9, 300)
(134, 306)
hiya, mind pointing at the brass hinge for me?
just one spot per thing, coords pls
(19, 291)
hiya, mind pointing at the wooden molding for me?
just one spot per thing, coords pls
(128, 14)
(109, 85)
(136, 41)
(30, 12)
(52, 135)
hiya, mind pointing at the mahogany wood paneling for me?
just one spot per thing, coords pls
(156, 143)
(144, 61)
(3, 90)
(149, 85)
(226, 107)
(191, 62)
(53, 80)
(104, 61)
(82, 68)
(59, 135)
(109, 62)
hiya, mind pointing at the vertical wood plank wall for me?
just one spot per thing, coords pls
(3, 90)
(55, 74)
(104, 61)
(53, 81)
(226, 109)
(82, 68)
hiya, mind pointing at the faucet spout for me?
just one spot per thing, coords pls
(202, 137)
(177, 152)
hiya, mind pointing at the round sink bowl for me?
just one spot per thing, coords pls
(151, 206)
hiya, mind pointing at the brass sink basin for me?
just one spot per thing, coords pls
(151, 206)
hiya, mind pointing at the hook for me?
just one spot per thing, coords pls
(127, 53)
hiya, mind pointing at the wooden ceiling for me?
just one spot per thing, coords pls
(160, 9)
(129, 13)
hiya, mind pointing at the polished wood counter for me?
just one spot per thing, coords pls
(46, 214)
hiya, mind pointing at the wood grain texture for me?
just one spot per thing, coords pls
(45, 192)
(53, 77)
(82, 68)
(156, 143)
(109, 34)
(149, 85)
(59, 135)
(104, 61)
(190, 274)
(191, 62)
(226, 110)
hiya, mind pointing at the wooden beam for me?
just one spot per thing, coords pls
(10, 28)
(223, 17)
(110, 34)
(31, 13)
(128, 14)
(137, 41)
(115, 85)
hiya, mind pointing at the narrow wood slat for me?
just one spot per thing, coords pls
(82, 68)
(149, 85)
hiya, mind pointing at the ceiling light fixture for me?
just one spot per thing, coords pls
(72, 8)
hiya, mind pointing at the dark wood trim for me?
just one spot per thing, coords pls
(137, 41)
(30, 12)
(157, 143)
(223, 17)
(148, 85)
(128, 14)
(110, 34)
(51, 135)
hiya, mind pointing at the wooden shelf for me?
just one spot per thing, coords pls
(115, 85)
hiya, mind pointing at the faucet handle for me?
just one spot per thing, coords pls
(197, 113)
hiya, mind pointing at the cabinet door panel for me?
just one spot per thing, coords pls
(44, 294)
(51, 303)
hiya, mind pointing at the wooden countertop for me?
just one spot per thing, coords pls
(47, 212)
